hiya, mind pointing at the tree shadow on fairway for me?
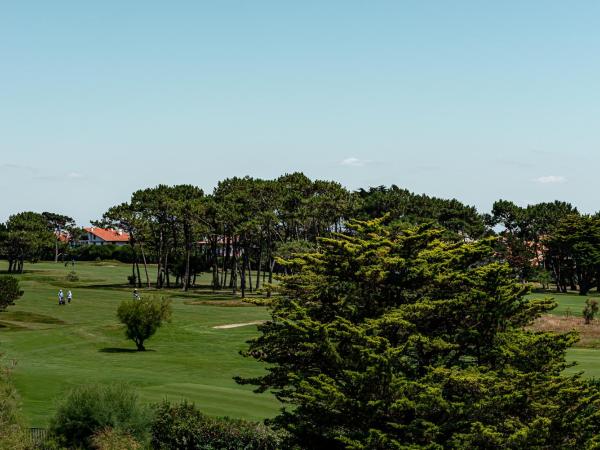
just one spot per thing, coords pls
(112, 286)
(122, 350)
(7, 326)
(25, 271)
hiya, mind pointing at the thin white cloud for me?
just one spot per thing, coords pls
(38, 174)
(354, 162)
(69, 176)
(551, 179)
(11, 166)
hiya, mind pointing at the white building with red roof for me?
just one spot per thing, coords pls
(105, 236)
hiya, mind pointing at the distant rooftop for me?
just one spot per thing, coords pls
(108, 235)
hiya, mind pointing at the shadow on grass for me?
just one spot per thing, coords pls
(117, 286)
(24, 316)
(539, 290)
(6, 326)
(25, 272)
(122, 350)
(224, 303)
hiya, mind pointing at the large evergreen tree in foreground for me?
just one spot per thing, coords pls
(396, 338)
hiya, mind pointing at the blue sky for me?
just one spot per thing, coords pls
(467, 99)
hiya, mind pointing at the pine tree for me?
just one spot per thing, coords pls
(397, 339)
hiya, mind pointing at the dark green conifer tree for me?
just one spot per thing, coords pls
(397, 339)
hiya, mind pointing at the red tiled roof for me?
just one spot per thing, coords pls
(108, 235)
(62, 236)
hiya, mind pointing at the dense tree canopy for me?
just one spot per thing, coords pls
(9, 291)
(25, 237)
(574, 253)
(236, 231)
(400, 338)
(404, 206)
(60, 225)
(524, 230)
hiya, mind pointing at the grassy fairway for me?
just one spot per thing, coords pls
(587, 358)
(57, 347)
(571, 303)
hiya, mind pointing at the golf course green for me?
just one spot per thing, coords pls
(57, 347)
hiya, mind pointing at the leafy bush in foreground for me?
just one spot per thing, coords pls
(88, 410)
(11, 431)
(183, 427)
(110, 439)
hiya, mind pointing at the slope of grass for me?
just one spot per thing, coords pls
(57, 347)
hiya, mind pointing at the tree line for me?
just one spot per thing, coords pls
(237, 232)
(550, 243)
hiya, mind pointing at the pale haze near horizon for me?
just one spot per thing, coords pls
(461, 99)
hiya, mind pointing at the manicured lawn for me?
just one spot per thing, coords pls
(57, 347)
(587, 359)
(567, 303)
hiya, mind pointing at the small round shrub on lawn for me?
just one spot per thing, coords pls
(142, 318)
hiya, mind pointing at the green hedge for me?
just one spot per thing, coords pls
(183, 427)
(122, 253)
(87, 410)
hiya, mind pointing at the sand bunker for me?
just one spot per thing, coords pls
(237, 325)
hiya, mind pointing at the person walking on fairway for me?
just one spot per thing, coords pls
(61, 297)
(136, 294)
(69, 296)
